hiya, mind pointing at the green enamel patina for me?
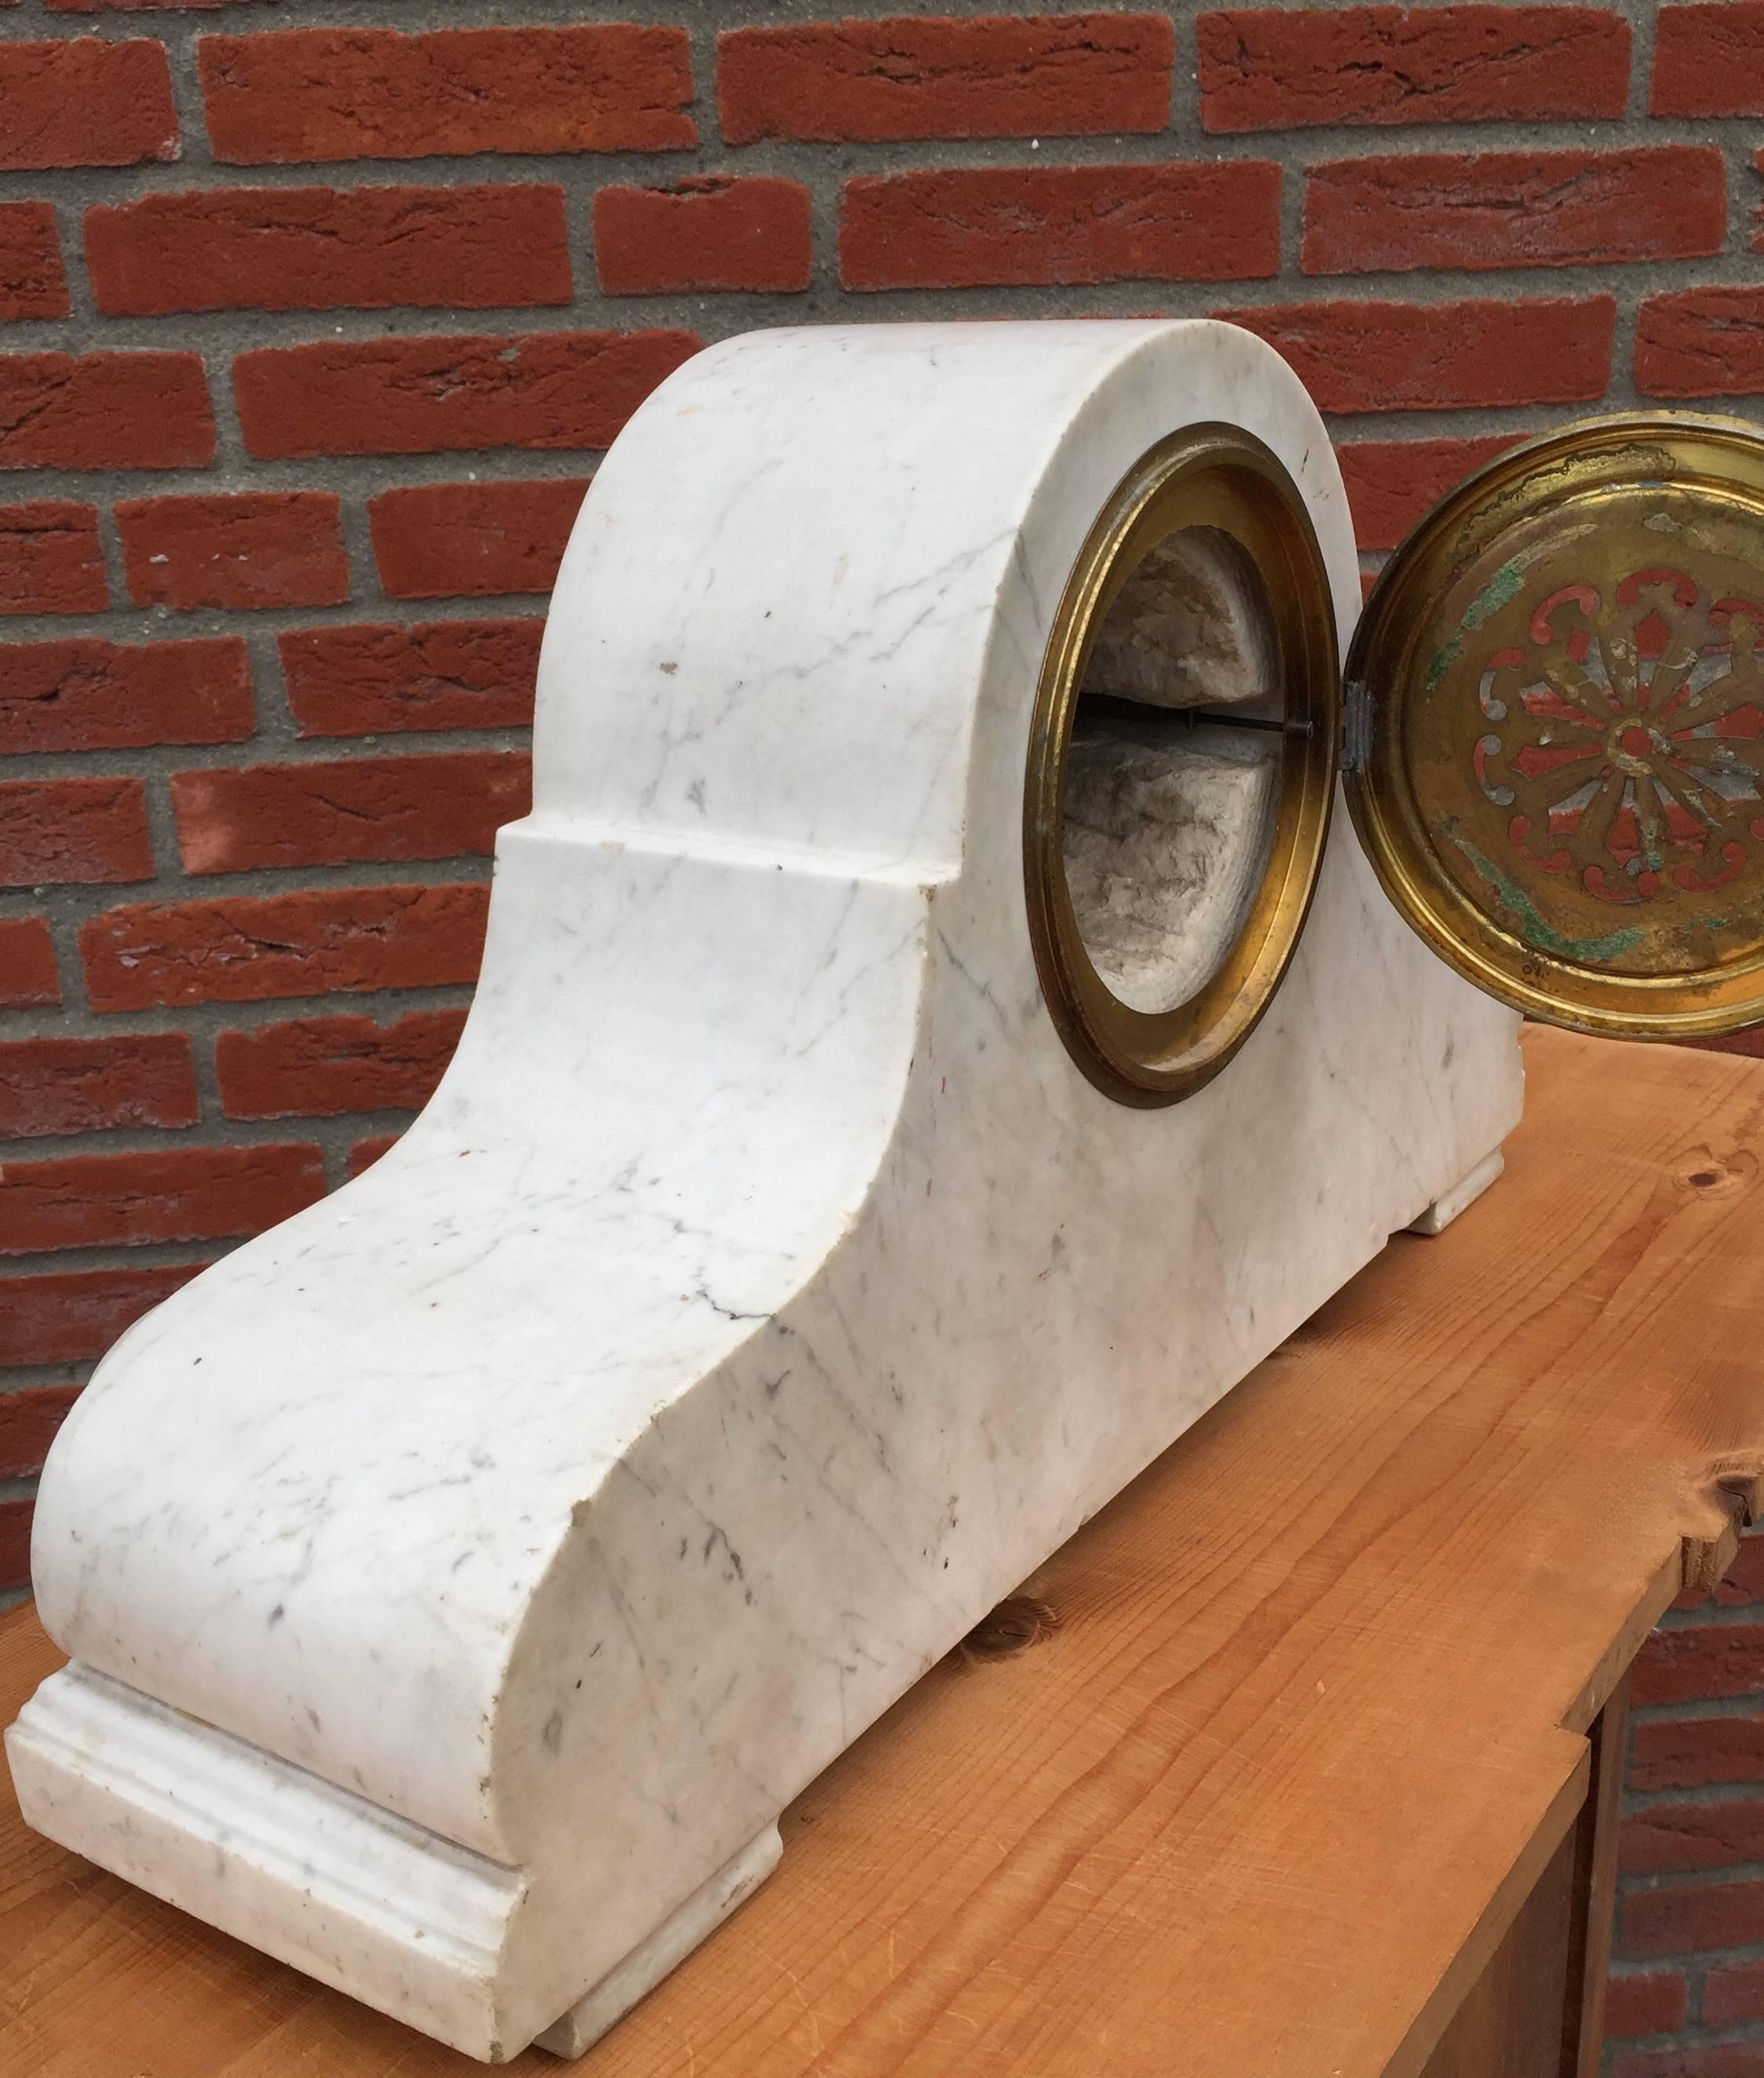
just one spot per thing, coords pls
(1584, 952)
(1442, 663)
(1506, 584)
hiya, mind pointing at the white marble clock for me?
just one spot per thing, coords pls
(932, 1042)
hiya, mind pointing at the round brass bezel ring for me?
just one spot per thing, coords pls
(1220, 477)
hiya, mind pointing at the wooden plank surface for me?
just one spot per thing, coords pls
(1271, 1754)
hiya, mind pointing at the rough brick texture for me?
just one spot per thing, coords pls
(1702, 343)
(1649, 2002)
(319, 249)
(33, 283)
(1391, 484)
(997, 76)
(426, 396)
(85, 103)
(50, 559)
(246, 948)
(316, 1067)
(706, 231)
(994, 228)
(472, 540)
(355, 681)
(174, 1194)
(1733, 1994)
(1278, 69)
(73, 830)
(28, 1421)
(253, 548)
(1521, 209)
(70, 1316)
(317, 321)
(1373, 356)
(367, 808)
(28, 971)
(104, 410)
(49, 1086)
(84, 693)
(378, 94)
(1708, 60)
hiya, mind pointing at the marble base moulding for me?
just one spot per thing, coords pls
(765, 1292)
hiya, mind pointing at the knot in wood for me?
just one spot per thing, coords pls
(1017, 1624)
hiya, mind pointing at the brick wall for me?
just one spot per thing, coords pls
(319, 314)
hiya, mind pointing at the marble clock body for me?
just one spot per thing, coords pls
(461, 1577)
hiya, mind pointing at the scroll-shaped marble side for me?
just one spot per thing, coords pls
(765, 1291)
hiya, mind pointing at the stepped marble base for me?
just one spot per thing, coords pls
(1440, 1215)
(641, 1971)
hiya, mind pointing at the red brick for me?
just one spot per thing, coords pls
(473, 540)
(50, 560)
(377, 94)
(1682, 1919)
(706, 233)
(89, 1085)
(15, 1542)
(1653, 2003)
(64, 830)
(438, 675)
(28, 1421)
(1514, 209)
(365, 1152)
(994, 75)
(1280, 69)
(1701, 342)
(86, 102)
(320, 250)
(1726, 2059)
(427, 395)
(316, 1067)
(1003, 226)
(172, 1194)
(1700, 1663)
(1692, 1753)
(1708, 60)
(87, 694)
(1391, 484)
(1367, 356)
(438, 806)
(27, 974)
(242, 948)
(32, 283)
(1733, 1994)
(1678, 1836)
(71, 1316)
(251, 548)
(104, 410)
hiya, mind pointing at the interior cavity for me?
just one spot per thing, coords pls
(1169, 813)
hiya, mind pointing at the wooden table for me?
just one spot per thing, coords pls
(1280, 1766)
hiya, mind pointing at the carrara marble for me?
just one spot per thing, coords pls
(460, 1578)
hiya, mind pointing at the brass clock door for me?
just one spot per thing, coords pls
(1553, 750)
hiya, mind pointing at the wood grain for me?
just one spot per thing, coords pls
(1302, 1732)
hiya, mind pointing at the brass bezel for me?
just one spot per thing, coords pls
(1592, 469)
(1207, 475)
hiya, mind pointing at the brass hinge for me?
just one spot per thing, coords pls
(1356, 724)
